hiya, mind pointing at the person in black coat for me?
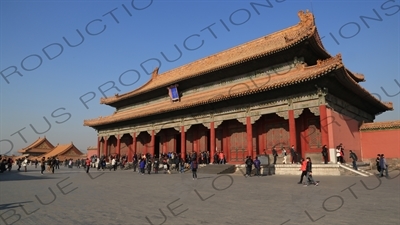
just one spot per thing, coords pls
(325, 154)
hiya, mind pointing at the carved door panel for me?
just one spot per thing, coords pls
(314, 138)
(277, 135)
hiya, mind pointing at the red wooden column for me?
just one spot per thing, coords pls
(130, 155)
(323, 119)
(183, 142)
(118, 150)
(152, 143)
(212, 141)
(98, 146)
(249, 131)
(134, 143)
(292, 129)
(105, 147)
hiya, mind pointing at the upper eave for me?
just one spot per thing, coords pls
(300, 74)
(261, 47)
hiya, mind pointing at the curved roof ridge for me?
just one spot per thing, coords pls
(256, 48)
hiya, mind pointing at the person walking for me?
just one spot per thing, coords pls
(384, 166)
(303, 170)
(353, 156)
(88, 162)
(310, 179)
(42, 165)
(378, 167)
(25, 163)
(194, 169)
(284, 154)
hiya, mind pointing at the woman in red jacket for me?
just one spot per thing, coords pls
(303, 170)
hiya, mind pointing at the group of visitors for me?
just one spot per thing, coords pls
(146, 163)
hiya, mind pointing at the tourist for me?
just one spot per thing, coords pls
(384, 166)
(310, 179)
(134, 162)
(221, 158)
(57, 163)
(257, 165)
(19, 164)
(249, 165)
(36, 163)
(142, 165)
(341, 153)
(353, 156)
(3, 164)
(181, 165)
(274, 154)
(338, 154)
(293, 154)
(88, 164)
(194, 169)
(53, 164)
(42, 165)
(177, 160)
(113, 164)
(284, 154)
(156, 165)
(215, 158)
(378, 167)
(148, 165)
(48, 163)
(25, 163)
(325, 154)
(9, 164)
(303, 170)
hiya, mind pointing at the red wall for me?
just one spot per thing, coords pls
(380, 142)
(91, 152)
(345, 130)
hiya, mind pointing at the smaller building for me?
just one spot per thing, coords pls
(67, 151)
(37, 148)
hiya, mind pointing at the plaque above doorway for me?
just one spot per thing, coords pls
(173, 92)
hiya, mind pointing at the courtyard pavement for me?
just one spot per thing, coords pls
(71, 196)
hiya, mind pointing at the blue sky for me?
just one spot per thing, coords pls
(120, 36)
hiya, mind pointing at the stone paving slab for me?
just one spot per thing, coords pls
(70, 196)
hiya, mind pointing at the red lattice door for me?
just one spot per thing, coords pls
(238, 144)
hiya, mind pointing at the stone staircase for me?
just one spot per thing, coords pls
(363, 169)
(330, 169)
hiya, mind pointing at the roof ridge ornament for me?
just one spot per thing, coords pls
(155, 73)
(306, 17)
